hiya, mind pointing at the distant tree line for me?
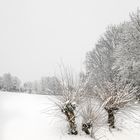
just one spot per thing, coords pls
(10, 83)
(47, 85)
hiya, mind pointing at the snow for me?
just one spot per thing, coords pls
(23, 117)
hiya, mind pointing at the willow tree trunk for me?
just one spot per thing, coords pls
(72, 124)
(111, 118)
(86, 127)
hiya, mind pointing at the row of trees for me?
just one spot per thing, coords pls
(47, 85)
(112, 79)
(9, 83)
(114, 66)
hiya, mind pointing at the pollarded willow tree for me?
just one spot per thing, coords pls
(93, 117)
(114, 98)
(72, 95)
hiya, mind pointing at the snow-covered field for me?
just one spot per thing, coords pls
(22, 117)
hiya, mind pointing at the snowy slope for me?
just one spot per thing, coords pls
(22, 117)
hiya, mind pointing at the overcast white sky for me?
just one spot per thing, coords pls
(36, 34)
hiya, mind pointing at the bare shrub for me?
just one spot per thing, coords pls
(93, 117)
(72, 95)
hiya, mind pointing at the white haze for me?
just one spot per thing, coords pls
(36, 35)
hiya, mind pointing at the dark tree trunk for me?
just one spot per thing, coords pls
(72, 124)
(111, 117)
(70, 115)
(86, 127)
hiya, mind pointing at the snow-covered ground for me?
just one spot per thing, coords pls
(22, 117)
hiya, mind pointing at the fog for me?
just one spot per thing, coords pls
(37, 35)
